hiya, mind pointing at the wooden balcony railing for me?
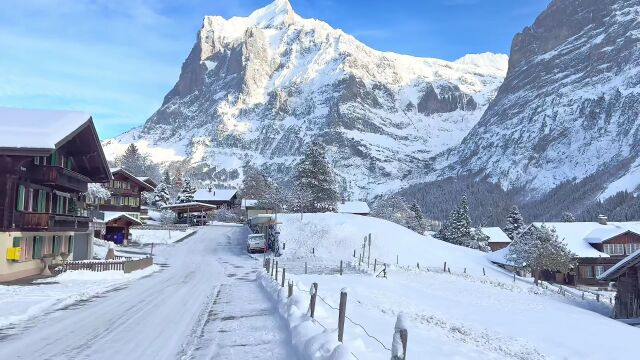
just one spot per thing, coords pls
(32, 221)
(59, 178)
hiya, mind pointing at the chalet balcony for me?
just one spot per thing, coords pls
(58, 178)
(33, 221)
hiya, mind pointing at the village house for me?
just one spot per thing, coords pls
(218, 197)
(144, 207)
(252, 207)
(353, 207)
(626, 275)
(597, 246)
(47, 159)
(122, 209)
(497, 238)
(191, 213)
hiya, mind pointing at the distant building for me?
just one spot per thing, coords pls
(353, 207)
(497, 238)
(217, 197)
(122, 209)
(47, 159)
(598, 246)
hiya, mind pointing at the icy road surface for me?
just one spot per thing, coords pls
(205, 304)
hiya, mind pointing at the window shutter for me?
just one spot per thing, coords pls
(70, 244)
(20, 204)
(54, 158)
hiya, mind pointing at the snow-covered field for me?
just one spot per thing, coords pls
(451, 316)
(23, 302)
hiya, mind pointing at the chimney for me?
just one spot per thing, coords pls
(602, 220)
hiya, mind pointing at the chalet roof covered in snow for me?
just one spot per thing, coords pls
(619, 268)
(145, 186)
(38, 129)
(495, 234)
(248, 203)
(214, 194)
(353, 207)
(114, 215)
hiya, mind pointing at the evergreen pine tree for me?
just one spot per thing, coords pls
(161, 196)
(166, 178)
(417, 223)
(457, 230)
(539, 249)
(515, 223)
(186, 193)
(315, 181)
(568, 217)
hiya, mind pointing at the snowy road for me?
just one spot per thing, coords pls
(205, 304)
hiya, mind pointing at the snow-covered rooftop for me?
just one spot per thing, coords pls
(42, 129)
(353, 207)
(616, 270)
(495, 234)
(193, 204)
(214, 194)
(112, 215)
(248, 202)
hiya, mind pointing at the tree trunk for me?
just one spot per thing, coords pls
(536, 276)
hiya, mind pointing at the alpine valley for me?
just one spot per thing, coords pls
(558, 120)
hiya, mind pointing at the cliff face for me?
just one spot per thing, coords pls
(260, 88)
(569, 105)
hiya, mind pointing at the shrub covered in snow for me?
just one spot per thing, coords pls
(167, 217)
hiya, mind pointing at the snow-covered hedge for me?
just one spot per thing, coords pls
(311, 341)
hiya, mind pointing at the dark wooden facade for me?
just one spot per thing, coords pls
(626, 276)
(126, 192)
(42, 189)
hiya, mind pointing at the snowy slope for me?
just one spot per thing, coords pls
(261, 87)
(569, 105)
(451, 316)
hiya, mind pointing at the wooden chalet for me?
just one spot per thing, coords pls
(47, 158)
(353, 207)
(626, 275)
(218, 197)
(497, 238)
(597, 246)
(123, 209)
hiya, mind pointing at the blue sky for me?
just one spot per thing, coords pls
(117, 58)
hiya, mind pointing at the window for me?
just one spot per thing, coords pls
(42, 201)
(631, 248)
(587, 272)
(47, 245)
(614, 249)
(36, 160)
(599, 270)
(20, 200)
(57, 245)
(37, 247)
(26, 247)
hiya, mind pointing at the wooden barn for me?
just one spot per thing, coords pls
(626, 275)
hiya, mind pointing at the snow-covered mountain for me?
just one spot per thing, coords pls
(569, 106)
(261, 87)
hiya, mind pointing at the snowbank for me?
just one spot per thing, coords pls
(310, 339)
(159, 236)
(21, 303)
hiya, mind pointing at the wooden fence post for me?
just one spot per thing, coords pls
(354, 252)
(312, 301)
(375, 263)
(313, 250)
(340, 267)
(273, 265)
(397, 260)
(484, 272)
(290, 284)
(369, 255)
(305, 267)
(465, 270)
(342, 312)
(283, 275)
(418, 266)
(514, 277)
(598, 297)
(276, 278)
(449, 269)
(444, 269)
(400, 339)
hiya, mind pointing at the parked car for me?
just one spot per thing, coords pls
(256, 243)
(199, 219)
